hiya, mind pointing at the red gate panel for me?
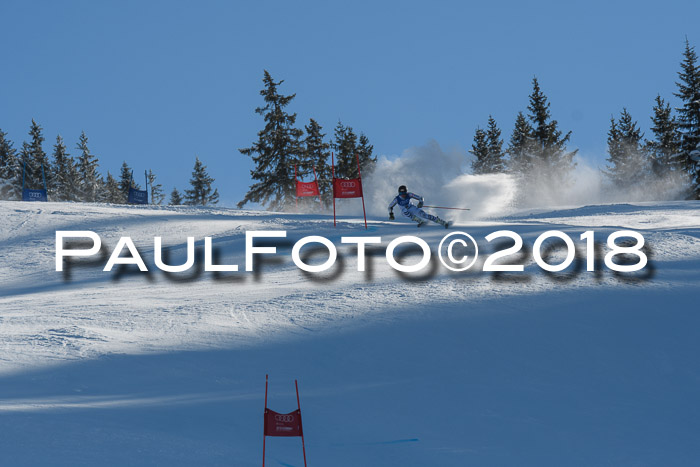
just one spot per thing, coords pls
(307, 189)
(347, 188)
(282, 424)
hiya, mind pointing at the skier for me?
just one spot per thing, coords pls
(415, 213)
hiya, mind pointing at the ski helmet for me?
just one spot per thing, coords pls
(403, 190)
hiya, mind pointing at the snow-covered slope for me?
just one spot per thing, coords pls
(587, 368)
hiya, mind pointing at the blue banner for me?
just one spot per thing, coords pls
(34, 195)
(137, 196)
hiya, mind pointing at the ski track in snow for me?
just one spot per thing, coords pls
(46, 318)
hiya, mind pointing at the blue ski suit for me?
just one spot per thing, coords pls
(410, 210)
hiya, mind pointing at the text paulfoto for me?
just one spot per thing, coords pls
(457, 251)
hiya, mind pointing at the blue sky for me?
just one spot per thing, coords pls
(156, 83)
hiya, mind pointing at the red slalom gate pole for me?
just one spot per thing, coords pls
(317, 187)
(333, 178)
(263, 423)
(359, 175)
(303, 448)
(296, 198)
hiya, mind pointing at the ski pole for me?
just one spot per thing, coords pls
(442, 207)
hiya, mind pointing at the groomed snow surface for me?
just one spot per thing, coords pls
(443, 369)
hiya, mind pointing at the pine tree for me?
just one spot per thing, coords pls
(10, 170)
(275, 152)
(364, 153)
(551, 159)
(317, 153)
(175, 198)
(520, 147)
(201, 193)
(495, 147)
(689, 116)
(111, 193)
(345, 147)
(34, 160)
(480, 150)
(87, 168)
(65, 174)
(156, 193)
(615, 151)
(349, 149)
(125, 182)
(664, 149)
(72, 187)
(629, 163)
